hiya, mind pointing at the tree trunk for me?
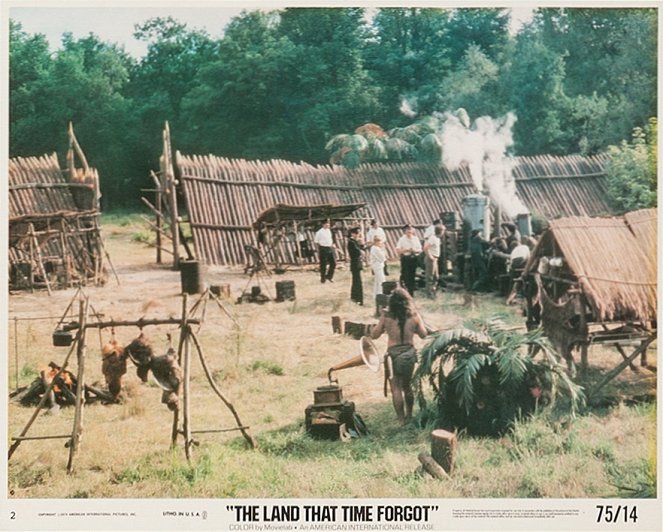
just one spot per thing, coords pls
(443, 449)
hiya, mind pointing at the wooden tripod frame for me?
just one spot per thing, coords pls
(187, 337)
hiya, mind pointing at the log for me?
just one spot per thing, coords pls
(443, 449)
(432, 467)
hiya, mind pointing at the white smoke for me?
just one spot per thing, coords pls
(483, 147)
(408, 107)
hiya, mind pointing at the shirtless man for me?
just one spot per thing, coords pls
(401, 322)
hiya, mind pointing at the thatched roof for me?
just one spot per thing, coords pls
(52, 220)
(614, 266)
(225, 196)
(305, 213)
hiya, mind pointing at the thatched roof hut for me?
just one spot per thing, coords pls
(54, 235)
(613, 266)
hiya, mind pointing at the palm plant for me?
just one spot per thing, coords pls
(485, 376)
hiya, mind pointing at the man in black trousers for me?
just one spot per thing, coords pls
(325, 242)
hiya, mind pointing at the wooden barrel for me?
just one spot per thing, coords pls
(285, 291)
(190, 277)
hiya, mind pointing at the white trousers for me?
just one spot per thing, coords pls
(378, 277)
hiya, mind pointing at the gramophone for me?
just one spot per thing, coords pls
(330, 416)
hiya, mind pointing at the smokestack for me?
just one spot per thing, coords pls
(524, 223)
(474, 211)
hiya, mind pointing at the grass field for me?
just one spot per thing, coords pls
(268, 365)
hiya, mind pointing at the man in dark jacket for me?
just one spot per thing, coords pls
(355, 251)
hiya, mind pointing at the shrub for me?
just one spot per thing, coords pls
(495, 378)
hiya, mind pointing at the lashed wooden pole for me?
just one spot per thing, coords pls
(40, 405)
(171, 192)
(80, 386)
(218, 392)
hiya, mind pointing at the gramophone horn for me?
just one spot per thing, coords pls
(368, 355)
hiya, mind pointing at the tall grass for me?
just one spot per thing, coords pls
(268, 368)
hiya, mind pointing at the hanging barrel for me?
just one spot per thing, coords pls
(191, 277)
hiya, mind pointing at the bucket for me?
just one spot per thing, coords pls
(190, 277)
(62, 338)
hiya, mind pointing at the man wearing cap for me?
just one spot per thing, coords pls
(325, 242)
(408, 248)
(514, 234)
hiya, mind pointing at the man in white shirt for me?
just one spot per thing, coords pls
(430, 230)
(408, 248)
(518, 258)
(432, 247)
(325, 242)
(375, 230)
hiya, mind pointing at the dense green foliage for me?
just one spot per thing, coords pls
(281, 84)
(632, 170)
(496, 376)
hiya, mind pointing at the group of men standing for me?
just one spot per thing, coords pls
(409, 249)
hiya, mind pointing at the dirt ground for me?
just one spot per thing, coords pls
(267, 358)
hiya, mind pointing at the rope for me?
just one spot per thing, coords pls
(618, 281)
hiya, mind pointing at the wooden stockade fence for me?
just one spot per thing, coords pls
(54, 233)
(225, 196)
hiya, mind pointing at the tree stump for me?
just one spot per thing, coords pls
(443, 449)
(432, 467)
(221, 290)
(336, 325)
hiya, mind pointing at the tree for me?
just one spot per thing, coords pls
(330, 90)
(163, 78)
(407, 58)
(535, 82)
(609, 55)
(473, 85)
(83, 83)
(29, 62)
(485, 28)
(632, 170)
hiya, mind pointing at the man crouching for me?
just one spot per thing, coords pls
(401, 322)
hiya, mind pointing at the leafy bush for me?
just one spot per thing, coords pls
(495, 378)
(631, 171)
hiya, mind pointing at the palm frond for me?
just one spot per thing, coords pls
(511, 365)
(337, 142)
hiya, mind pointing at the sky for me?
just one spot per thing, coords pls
(114, 21)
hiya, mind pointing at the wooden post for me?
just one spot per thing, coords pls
(16, 349)
(80, 386)
(297, 245)
(186, 392)
(208, 374)
(171, 191)
(582, 325)
(158, 224)
(35, 243)
(443, 449)
(616, 371)
(65, 260)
